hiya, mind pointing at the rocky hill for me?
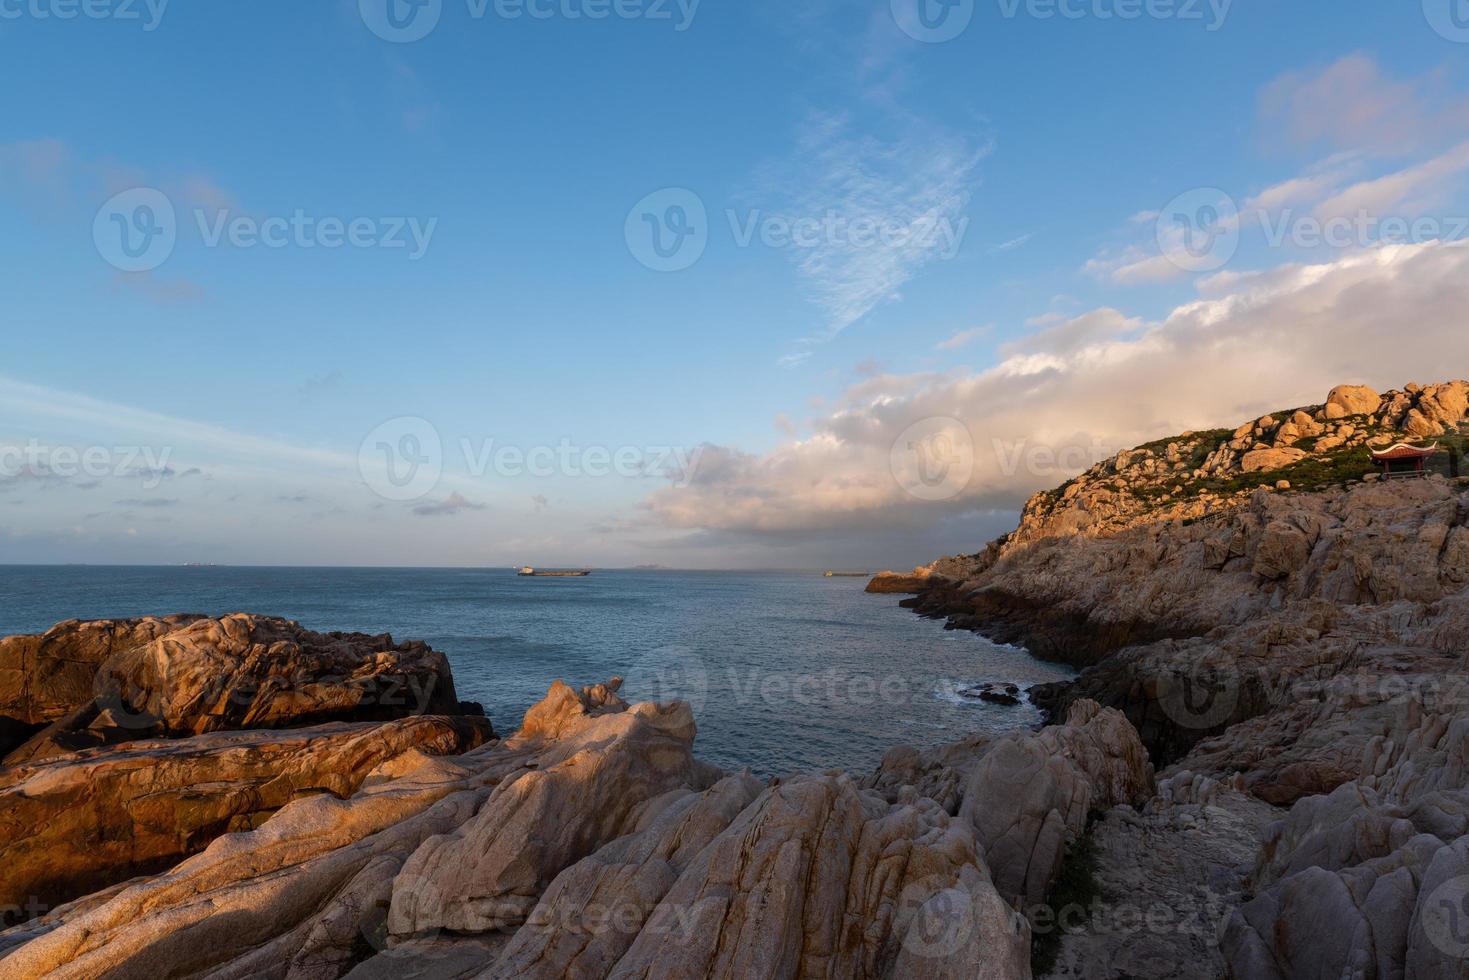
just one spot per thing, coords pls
(1285, 632)
(1197, 474)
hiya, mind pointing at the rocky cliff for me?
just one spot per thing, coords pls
(1284, 630)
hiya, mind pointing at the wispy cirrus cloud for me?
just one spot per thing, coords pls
(889, 206)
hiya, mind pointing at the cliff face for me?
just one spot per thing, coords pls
(1284, 635)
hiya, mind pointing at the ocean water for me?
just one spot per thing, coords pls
(786, 671)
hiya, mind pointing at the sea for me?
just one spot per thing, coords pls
(787, 671)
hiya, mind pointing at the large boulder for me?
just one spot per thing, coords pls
(45, 677)
(1028, 796)
(1264, 460)
(1345, 400)
(106, 682)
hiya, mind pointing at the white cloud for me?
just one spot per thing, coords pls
(1352, 105)
(1252, 343)
(1409, 191)
(964, 338)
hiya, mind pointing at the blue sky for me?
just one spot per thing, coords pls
(1044, 146)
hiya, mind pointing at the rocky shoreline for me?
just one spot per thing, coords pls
(592, 843)
(1292, 658)
(1260, 771)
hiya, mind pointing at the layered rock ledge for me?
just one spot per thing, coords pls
(149, 738)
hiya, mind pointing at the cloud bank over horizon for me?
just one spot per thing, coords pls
(1098, 383)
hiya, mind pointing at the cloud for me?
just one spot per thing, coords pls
(1251, 343)
(1352, 105)
(158, 429)
(1321, 180)
(1070, 335)
(454, 504)
(150, 502)
(318, 385)
(1134, 267)
(1405, 193)
(965, 337)
(916, 186)
(1011, 245)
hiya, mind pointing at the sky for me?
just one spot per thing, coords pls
(731, 283)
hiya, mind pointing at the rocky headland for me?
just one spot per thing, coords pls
(1260, 771)
(1285, 632)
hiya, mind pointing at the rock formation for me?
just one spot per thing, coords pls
(80, 822)
(1291, 657)
(591, 844)
(101, 683)
(162, 734)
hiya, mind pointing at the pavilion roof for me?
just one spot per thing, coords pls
(1404, 451)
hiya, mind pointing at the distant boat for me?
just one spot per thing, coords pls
(528, 572)
(849, 575)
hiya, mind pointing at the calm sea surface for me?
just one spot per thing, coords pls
(786, 671)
